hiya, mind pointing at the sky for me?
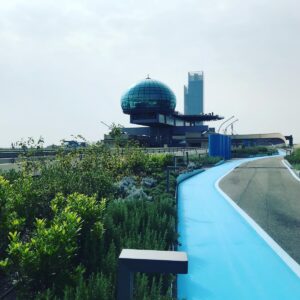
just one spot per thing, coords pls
(64, 65)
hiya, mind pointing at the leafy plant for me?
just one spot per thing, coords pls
(64, 221)
(57, 250)
(257, 150)
(294, 158)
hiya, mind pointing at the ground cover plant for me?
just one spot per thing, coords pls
(251, 151)
(296, 166)
(63, 222)
(199, 161)
(294, 158)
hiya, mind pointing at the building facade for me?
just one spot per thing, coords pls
(193, 94)
(151, 104)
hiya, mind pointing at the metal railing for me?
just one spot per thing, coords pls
(147, 261)
(13, 156)
(176, 150)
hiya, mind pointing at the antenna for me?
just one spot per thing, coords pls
(105, 124)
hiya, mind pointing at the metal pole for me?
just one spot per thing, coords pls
(125, 283)
(147, 261)
(225, 130)
(109, 127)
(168, 179)
(224, 123)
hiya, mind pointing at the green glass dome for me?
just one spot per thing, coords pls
(148, 96)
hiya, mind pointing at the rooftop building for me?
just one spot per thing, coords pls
(152, 104)
(193, 94)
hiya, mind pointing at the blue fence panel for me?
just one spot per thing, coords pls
(228, 147)
(214, 144)
(219, 145)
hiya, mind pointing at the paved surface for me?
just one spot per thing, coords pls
(228, 259)
(7, 167)
(268, 193)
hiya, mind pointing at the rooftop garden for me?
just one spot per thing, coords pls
(294, 158)
(253, 151)
(64, 222)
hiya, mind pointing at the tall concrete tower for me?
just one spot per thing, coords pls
(193, 94)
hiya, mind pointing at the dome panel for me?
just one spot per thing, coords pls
(148, 96)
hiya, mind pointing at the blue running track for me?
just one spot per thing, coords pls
(228, 258)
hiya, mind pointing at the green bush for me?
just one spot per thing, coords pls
(47, 257)
(296, 166)
(294, 158)
(15, 210)
(257, 150)
(204, 160)
(61, 240)
(88, 172)
(57, 249)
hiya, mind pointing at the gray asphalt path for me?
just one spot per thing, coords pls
(7, 167)
(268, 193)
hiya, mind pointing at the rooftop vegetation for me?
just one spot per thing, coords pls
(294, 158)
(64, 222)
(199, 161)
(253, 151)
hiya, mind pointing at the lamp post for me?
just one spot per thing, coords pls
(225, 130)
(224, 123)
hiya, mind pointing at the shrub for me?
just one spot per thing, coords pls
(57, 250)
(148, 182)
(204, 160)
(257, 150)
(59, 239)
(294, 158)
(47, 258)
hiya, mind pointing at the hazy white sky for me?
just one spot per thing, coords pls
(65, 64)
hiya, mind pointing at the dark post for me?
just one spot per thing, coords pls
(125, 282)
(187, 157)
(168, 179)
(148, 261)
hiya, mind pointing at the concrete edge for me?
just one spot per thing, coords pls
(289, 167)
(289, 261)
(288, 163)
(221, 162)
(182, 177)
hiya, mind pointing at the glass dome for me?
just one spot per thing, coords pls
(148, 96)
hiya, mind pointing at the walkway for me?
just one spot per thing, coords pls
(227, 257)
(268, 193)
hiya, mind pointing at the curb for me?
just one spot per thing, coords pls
(291, 169)
(185, 176)
(221, 162)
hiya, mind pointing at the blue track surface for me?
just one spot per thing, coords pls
(227, 258)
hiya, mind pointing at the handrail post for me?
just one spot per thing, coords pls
(147, 261)
(168, 180)
(125, 282)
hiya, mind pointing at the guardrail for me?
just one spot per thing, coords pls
(16, 160)
(12, 156)
(176, 150)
